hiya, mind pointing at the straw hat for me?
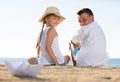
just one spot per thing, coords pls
(52, 10)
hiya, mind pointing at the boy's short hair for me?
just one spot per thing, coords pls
(85, 10)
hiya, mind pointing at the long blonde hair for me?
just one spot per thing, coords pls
(39, 40)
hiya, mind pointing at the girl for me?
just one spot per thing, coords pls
(48, 40)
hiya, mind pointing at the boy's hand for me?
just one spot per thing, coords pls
(75, 45)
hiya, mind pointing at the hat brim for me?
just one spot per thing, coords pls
(44, 15)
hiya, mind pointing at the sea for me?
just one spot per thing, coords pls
(113, 62)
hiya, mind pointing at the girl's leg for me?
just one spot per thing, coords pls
(67, 58)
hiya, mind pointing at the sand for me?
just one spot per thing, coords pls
(65, 74)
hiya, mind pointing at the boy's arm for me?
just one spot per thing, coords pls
(71, 50)
(75, 45)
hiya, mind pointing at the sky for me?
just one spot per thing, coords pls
(19, 26)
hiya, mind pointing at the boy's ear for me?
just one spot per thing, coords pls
(92, 17)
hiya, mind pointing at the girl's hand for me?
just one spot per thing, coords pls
(57, 64)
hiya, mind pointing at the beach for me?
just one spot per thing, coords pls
(66, 74)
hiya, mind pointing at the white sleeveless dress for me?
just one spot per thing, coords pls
(45, 58)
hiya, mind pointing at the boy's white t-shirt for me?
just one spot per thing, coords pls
(93, 46)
